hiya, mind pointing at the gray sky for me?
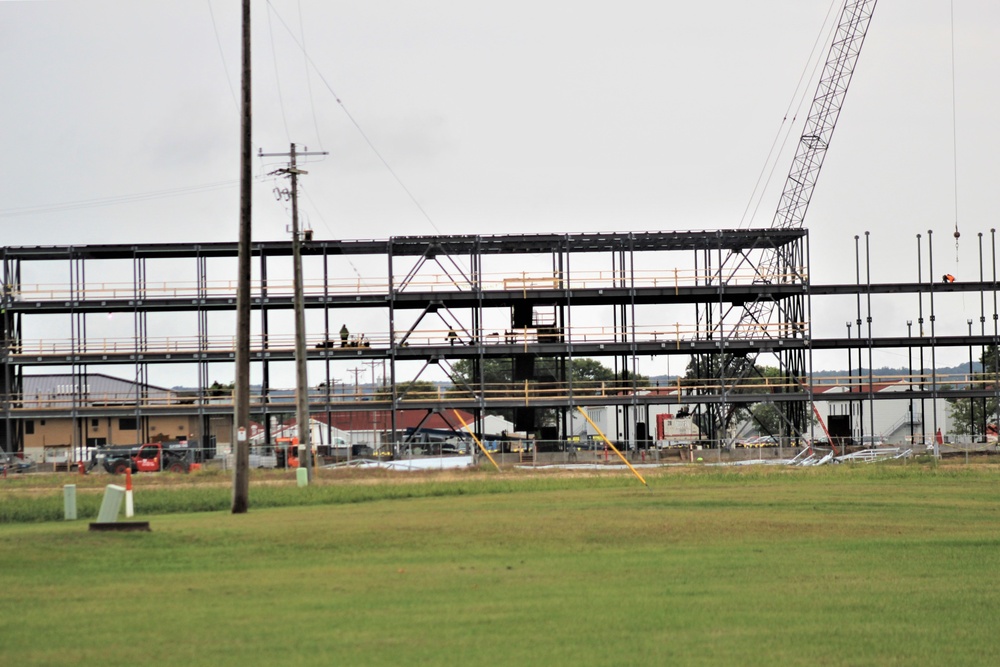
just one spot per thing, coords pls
(499, 117)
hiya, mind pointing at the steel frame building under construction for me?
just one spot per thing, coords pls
(528, 304)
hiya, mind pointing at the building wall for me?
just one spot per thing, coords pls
(613, 421)
(890, 417)
(40, 433)
(52, 433)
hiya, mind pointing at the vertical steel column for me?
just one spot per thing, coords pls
(7, 444)
(722, 427)
(140, 345)
(972, 400)
(632, 341)
(326, 350)
(476, 266)
(265, 347)
(861, 373)
(394, 402)
(982, 328)
(806, 331)
(909, 362)
(204, 421)
(934, 390)
(920, 331)
(871, 377)
(77, 338)
(996, 333)
(566, 277)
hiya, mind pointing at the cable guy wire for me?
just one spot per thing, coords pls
(354, 122)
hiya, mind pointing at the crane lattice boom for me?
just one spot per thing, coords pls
(823, 113)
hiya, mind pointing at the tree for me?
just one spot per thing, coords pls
(591, 370)
(990, 361)
(494, 371)
(498, 371)
(217, 389)
(416, 389)
(770, 419)
(767, 417)
(708, 370)
(970, 416)
(743, 377)
(974, 416)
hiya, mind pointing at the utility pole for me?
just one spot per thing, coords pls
(302, 417)
(356, 371)
(371, 366)
(375, 390)
(241, 389)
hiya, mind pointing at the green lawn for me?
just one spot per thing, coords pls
(838, 566)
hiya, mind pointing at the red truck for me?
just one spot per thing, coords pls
(151, 457)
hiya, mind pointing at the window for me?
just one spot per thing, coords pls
(126, 424)
(29, 426)
(94, 423)
(66, 389)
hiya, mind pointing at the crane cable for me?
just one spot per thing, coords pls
(796, 105)
(954, 128)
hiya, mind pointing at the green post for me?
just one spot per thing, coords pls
(69, 501)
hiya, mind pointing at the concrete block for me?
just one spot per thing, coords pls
(111, 505)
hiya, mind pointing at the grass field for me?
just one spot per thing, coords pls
(868, 565)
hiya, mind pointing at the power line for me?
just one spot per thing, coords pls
(222, 55)
(111, 201)
(277, 77)
(354, 122)
(305, 60)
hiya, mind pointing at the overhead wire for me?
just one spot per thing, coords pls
(222, 54)
(312, 101)
(794, 108)
(299, 42)
(121, 199)
(354, 122)
(277, 76)
(319, 213)
(148, 195)
(954, 127)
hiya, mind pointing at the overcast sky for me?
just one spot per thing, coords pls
(513, 116)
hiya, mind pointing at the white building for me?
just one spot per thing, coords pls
(664, 424)
(887, 418)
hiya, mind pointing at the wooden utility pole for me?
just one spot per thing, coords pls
(302, 417)
(241, 390)
(356, 371)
